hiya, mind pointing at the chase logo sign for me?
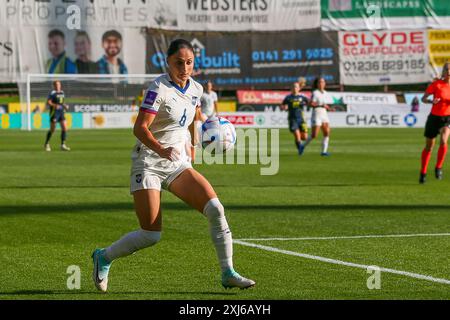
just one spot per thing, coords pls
(410, 120)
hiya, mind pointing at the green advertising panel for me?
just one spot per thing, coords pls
(384, 14)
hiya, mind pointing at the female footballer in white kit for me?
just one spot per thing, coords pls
(319, 117)
(159, 160)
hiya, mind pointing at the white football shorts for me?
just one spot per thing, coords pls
(319, 116)
(155, 178)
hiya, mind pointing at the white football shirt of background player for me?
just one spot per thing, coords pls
(208, 103)
(319, 114)
(175, 110)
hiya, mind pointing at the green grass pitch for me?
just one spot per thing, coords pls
(56, 207)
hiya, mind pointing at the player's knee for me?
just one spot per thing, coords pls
(215, 213)
(147, 238)
(214, 209)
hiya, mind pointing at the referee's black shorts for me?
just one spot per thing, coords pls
(435, 124)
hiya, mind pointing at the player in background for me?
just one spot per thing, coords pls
(296, 103)
(158, 161)
(55, 102)
(319, 116)
(208, 109)
(208, 102)
(137, 101)
(438, 122)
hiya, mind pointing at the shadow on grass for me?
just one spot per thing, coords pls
(335, 185)
(113, 207)
(60, 187)
(25, 293)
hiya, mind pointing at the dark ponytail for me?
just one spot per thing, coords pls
(178, 44)
(315, 85)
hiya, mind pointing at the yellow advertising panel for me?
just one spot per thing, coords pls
(226, 106)
(438, 48)
(17, 107)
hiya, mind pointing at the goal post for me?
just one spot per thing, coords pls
(84, 93)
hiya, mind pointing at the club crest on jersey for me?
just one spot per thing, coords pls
(139, 178)
(150, 98)
(194, 101)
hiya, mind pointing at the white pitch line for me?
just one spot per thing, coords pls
(352, 237)
(343, 263)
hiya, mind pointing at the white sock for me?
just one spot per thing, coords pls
(220, 233)
(131, 243)
(325, 142)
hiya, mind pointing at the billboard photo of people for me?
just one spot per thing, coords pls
(110, 63)
(93, 51)
(59, 62)
(83, 51)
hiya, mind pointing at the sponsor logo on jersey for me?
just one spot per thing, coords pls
(150, 98)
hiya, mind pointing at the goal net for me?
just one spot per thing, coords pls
(94, 101)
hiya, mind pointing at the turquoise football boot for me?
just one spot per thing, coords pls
(101, 270)
(232, 279)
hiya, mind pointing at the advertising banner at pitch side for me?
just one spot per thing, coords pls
(243, 60)
(263, 100)
(384, 14)
(357, 116)
(383, 57)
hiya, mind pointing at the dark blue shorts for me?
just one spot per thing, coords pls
(298, 124)
(57, 116)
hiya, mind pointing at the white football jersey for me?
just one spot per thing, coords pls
(207, 101)
(174, 108)
(321, 98)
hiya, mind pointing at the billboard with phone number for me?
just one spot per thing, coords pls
(244, 60)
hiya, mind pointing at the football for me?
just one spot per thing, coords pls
(218, 135)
